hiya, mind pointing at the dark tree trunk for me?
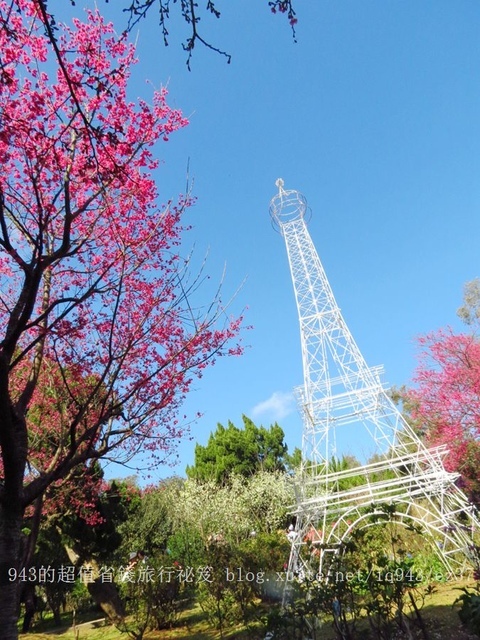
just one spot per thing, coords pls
(29, 598)
(13, 444)
(55, 604)
(10, 542)
(105, 594)
(107, 597)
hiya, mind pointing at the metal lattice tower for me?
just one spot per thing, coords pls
(344, 403)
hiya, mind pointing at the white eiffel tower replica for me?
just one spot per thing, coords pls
(345, 405)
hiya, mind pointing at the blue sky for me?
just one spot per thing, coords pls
(374, 116)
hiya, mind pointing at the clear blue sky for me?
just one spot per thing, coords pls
(374, 116)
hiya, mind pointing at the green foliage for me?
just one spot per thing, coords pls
(337, 465)
(232, 531)
(427, 564)
(243, 452)
(230, 540)
(290, 622)
(194, 525)
(152, 596)
(221, 599)
(51, 554)
(151, 519)
(372, 580)
(293, 461)
(239, 575)
(186, 546)
(101, 540)
(469, 612)
(79, 597)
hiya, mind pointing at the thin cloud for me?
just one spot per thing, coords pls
(278, 405)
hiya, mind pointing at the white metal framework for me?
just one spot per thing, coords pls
(346, 409)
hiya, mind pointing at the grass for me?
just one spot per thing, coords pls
(440, 616)
(438, 613)
(191, 625)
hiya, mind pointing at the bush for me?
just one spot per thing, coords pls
(151, 593)
(469, 612)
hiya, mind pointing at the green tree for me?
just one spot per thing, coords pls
(233, 511)
(150, 522)
(49, 557)
(293, 460)
(241, 526)
(232, 450)
(88, 540)
(469, 312)
(152, 597)
(190, 527)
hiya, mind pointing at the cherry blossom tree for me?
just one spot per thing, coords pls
(96, 310)
(445, 403)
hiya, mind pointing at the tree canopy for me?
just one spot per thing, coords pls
(241, 451)
(94, 305)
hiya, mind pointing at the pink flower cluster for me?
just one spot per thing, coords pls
(92, 281)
